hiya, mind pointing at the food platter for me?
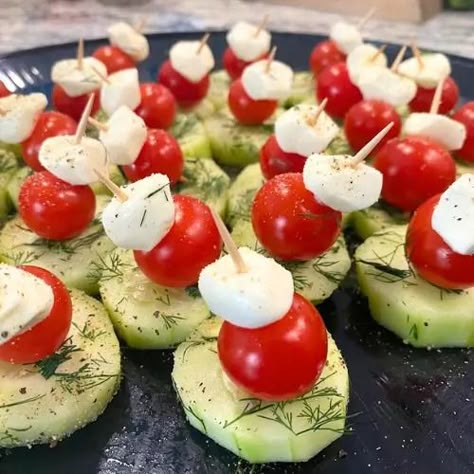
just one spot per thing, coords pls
(411, 409)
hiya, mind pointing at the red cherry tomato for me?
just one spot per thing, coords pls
(186, 93)
(4, 92)
(432, 258)
(274, 161)
(49, 124)
(247, 110)
(235, 66)
(160, 154)
(191, 244)
(158, 106)
(290, 223)
(367, 118)
(54, 209)
(334, 83)
(73, 106)
(414, 169)
(279, 361)
(423, 98)
(45, 338)
(114, 58)
(323, 55)
(465, 115)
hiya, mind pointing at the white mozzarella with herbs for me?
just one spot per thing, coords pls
(246, 44)
(125, 136)
(143, 220)
(347, 37)
(363, 57)
(75, 81)
(18, 116)
(25, 300)
(122, 88)
(453, 216)
(192, 64)
(252, 299)
(440, 128)
(340, 184)
(263, 83)
(383, 84)
(74, 162)
(435, 68)
(296, 131)
(129, 40)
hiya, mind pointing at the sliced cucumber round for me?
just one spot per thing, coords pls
(145, 315)
(47, 401)
(191, 135)
(314, 279)
(202, 110)
(416, 311)
(219, 89)
(302, 91)
(8, 167)
(462, 167)
(74, 261)
(258, 431)
(339, 146)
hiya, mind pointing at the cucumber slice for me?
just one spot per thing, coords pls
(8, 167)
(115, 175)
(314, 279)
(73, 261)
(100, 116)
(145, 315)
(12, 148)
(260, 432)
(416, 311)
(50, 400)
(206, 181)
(339, 146)
(218, 89)
(302, 90)
(191, 136)
(462, 167)
(204, 109)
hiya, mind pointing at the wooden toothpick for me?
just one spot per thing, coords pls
(435, 103)
(203, 42)
(80, 54)
(378, 53)
(229, 243)
(118, 192)
(270, 59)
(100, 75)
(417, 54)
(361, 23)
(399, 58)
(103, 127)
(367, 149)
(262, 25)
(81, 128)
(139, 24)
(312, 120)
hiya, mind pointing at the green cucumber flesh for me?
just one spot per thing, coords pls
(463, 167)
(302, 91)
(416, 311)
(192, 137)
(47, 401)
(8, 167)
(218, 89)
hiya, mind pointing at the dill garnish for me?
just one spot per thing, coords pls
(22, 402)
(156, 191)
(193, 291)
(170, 320)
(183, 125)
(89, 333)
(107, 268)
(48, 367)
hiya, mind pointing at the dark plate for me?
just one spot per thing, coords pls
(415, 406)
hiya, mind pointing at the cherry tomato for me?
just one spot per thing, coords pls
(46, 337)
(186, 93)
(280, 361)
(160, 153)
(334, 83)
(54, 209)
(158, 106)
(73, 106)
(4, 92)
(49, 124)
(465, 115)
(191, 244)
(290, 223)
(323, 55)
(367, 118)
(235, 66)
(414, 169)
(247, 110)
(273, 160)
(433, 259)
(423, 98)
(114, 58)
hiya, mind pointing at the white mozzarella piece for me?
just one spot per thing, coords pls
(346, 36)
(340, 184)
(125, 136)
(190, 63)
(252, 299)
(244, 42)
(74, 162)
(143, 220)
(122, 88)
(75, 81)
(440, 128)
(18, 116)
(453, 216)
(435, 68)
(363, 57)
(296, 133)
(129, 41)
(274, 84)
(25, 300)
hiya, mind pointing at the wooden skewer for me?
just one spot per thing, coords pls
(101, 76)
(399, 58)
(262, 25)
(312, 120)
(435, 103)
(229, 243)
(203, 42)
(378, 53)
(417, 54)
(81, 128)
(270, 59)
(118, 192)
(365, 151)
(361, 23)
(80, 54)
(99, 125)
(139, 24)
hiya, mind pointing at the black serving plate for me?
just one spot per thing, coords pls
(414, 408)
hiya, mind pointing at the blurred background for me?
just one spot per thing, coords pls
(436, 24)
